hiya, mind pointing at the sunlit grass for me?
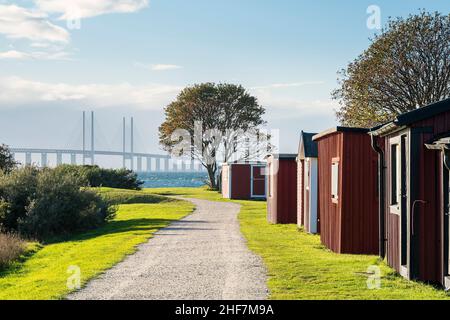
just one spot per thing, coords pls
(44, 274)
(299, 267)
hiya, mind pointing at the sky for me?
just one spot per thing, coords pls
(124, 58)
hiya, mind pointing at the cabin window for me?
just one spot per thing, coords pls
(395, 174)
(335, 180)
(307, 174)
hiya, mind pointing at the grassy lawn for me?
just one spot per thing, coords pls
(44, 273)
(299, 267)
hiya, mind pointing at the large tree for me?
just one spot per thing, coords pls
(406, 66)
(217, 118)
(7, 162)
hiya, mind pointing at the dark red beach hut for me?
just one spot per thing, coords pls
(348, 201)
(414, 171)
(244, 181)
(282, 188)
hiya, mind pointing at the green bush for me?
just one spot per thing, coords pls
(7, 162)
(95, 176)
(61, 207)
(17, 190)
(49, 202)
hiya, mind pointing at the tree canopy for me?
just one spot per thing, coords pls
(406, 66)
(222, 113)
(7, 162)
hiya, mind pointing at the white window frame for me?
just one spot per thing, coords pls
(307, 172)
(262, 168)
(396, 207)
(335, 163)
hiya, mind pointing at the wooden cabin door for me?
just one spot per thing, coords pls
(446, 225)
(398, 179)
(258, 182)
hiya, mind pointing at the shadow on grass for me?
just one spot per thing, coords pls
(116, 198)
(16, 266)
(111, 228)
(171, 193)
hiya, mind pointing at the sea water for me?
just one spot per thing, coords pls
(173, 179)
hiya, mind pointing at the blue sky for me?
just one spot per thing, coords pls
(131, 57)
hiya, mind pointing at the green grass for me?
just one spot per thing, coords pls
(299, 267)
(121, 196)
(43, 273)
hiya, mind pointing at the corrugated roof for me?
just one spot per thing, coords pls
(285, 156)
(410, 117)
(338, 129)
(252, 162)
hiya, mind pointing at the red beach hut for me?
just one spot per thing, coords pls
(243, 181)
(282, 188)
(348, 200)
(414, 169)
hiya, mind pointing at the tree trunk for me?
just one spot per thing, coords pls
(212, 176)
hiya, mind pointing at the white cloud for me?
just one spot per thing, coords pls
(39, 45)
(21, 23)
(163, 67)
(284, 104)
(15, 91)
(36, 55)
(78, 9)
(157, 67)
(13, 55)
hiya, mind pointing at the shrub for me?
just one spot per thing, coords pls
(7, 162)
(95, 176)
(11, 248)
(17, 190)
(49, 202)
(62, 207)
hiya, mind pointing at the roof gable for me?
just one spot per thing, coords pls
(307, 148)
(338, 129)
(413, 116)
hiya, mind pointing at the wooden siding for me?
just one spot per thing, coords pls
(240, 181)
(392, 221)
(240, 185)
(428, 217)
(300, 191)
(359, 195)
(350, 223)
(272, 163)
(393, 238)
(259, 181)
(282, 202)
(330, 213)
(286, 189)
(225, 181)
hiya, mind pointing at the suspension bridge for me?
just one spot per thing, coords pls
(87, 153)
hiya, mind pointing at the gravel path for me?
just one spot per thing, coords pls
(203, 256)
